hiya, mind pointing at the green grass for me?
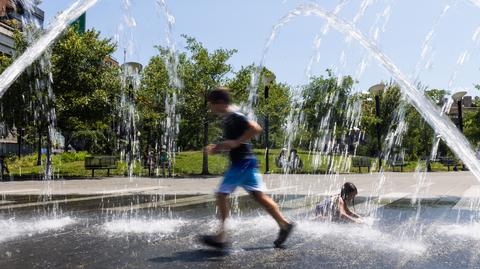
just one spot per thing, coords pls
(71, 164)
(190, 163)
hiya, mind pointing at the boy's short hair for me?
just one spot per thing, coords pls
(219, 95)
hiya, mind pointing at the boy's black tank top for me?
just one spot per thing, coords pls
(235, 125)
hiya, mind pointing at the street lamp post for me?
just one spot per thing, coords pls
(458, 97)
(376, 91)
(20, 140)
(267, 79)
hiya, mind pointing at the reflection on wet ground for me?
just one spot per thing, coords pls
(159, 231)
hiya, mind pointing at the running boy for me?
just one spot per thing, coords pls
(243, 168)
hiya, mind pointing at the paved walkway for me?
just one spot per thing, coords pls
(436, 184)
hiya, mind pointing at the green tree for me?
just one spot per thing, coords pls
(419, 138)
(390, 101)
(276, 107)
(86, 90)
(151, 100)
(325, 97)
(201, 71)
(26, 103)
(472, 122)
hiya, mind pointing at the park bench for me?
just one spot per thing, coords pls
(396, 163)
(448, 161)
(361, 161)
(100, 162)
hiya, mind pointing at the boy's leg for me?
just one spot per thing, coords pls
(227, 186)
(253, 183)
(271, 207)
(223, 211)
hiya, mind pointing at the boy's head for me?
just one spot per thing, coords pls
(219, 100)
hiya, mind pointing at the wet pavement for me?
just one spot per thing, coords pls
(160, 231)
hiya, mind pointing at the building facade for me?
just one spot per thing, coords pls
(11, 13)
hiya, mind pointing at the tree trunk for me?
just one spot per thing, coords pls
(39, 146)
(19, 141)
(48, 161)
(205, 137)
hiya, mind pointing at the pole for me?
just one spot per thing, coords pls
(460, 122)
(267, 142)
(460, 116)
(20, 139)
(379, 143)
(205, 134)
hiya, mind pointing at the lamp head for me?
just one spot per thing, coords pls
(268, 78)
(377, 89)
(458, 95)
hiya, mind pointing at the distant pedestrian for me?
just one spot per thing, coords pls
(294, 161)
(149, 162)
(165, 162)
(281, 159)
(3, 167)
(243, 171)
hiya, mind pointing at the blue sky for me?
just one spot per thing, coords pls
(245, 25)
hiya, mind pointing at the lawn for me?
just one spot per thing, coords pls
(71, 164)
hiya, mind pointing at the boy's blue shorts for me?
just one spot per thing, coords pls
(243, 173)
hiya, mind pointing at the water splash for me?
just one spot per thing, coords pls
(360, 235)
(426, 46)
(475, 2)
(292, 125)
(336, 140)
(52, 33)
(128, 115)
(144, 226)
(464, 56)
(318, 39)
(476, 36)
(379, 26)
(363, 7)
(460, 231)
(127, 112)
(40, 84)
(171, 59)
(12, 228)
(255, 78)
(125, 30)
